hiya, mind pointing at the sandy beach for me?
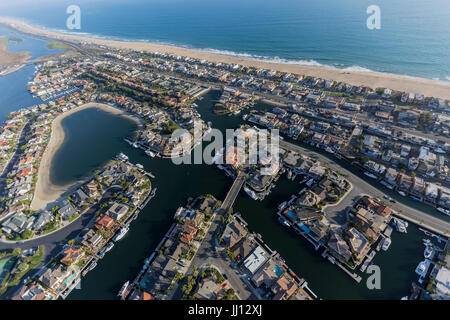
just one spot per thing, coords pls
(373, 80)
(46, 192)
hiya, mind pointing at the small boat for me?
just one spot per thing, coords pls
(135, 145)
(444, 211)
(386, 244)
(122, 156)
(370, 175)
(400, 225)
(92, 266)
(123, 289)
(140, 166)
(429, 250)
(329, 150)
(283, 221)
(109, 247)
(331, 259)
(421, 268)
(122, 232)
(251, 193)
(150, 153)
(282, 205)
(401, 193)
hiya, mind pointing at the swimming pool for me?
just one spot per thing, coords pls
(278, 270)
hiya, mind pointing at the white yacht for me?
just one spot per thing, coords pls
(251, 193)
(428, 251)
(122, 232)
(150, 153)
(123, 289)
(400, 225)
(386, 244)
(444, 211)
(422, 269)
(109, 247)
(122, 156)
(370, 175)
(283, 221)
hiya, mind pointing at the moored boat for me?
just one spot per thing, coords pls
(370, 175)
(122, 232)
(123, 289)
(386, 244)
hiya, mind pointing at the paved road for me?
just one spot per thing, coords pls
(207, 253)
(361, 187)
(53, 241)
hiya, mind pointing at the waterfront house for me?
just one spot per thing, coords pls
(404, 181)
(32, 291)
(359, 244)
(337, 245)
(156, 284)
(165, 266)
(284, 288)
(444, 197)
(391, 176)
(266, 276)
(255, 259)
(418, 187)
(308, 199)
(188, 233)
(54, 277)
(233, 233)
(117, 210)
(104, 221)
(374, 206)
(431, 192)
(71, 255)
(91, 239)
(243, 248)
(442, 281)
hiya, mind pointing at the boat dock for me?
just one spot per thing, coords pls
(330, 258)
(368, 261)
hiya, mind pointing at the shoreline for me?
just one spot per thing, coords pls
(45, 191)
(372, 79)
(9, 59)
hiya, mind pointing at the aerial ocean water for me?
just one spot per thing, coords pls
(414, 38)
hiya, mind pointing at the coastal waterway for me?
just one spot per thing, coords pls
(176, 183)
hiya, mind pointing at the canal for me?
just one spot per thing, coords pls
(176, 183)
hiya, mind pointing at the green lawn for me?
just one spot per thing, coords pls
(57, 45)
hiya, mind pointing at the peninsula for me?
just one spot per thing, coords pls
(371, 79)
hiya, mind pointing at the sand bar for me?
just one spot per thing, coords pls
(373, 80)
(46, 192)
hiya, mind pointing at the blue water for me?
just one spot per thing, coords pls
(414, 38)
(36, 47)
(13, 93)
